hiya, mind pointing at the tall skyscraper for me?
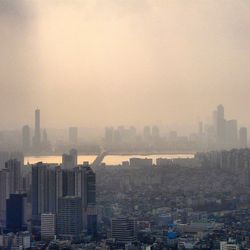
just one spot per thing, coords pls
(73, 135)
(243, 138)
(68, 180)
(14, 167)
(46, 189)
(15, 221)
(26, 138)
(69, 218)
(88, 186)
(88, 198)
(73, 153)
(37, 134)
(220, 127)
(4, 194)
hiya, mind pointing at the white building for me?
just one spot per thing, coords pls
(228, 246)
(48, 226)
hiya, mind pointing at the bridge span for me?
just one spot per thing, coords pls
(98, 160)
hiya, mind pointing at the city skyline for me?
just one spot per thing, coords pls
(157, 61)
(124, 124)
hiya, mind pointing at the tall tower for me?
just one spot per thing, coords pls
(220, 127)
(37, 135)
(46, 188)
(88, 195)
(4, 195)
(14, 167)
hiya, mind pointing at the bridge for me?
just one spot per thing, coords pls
(98, 160)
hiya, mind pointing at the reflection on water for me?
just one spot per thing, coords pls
(109, 159)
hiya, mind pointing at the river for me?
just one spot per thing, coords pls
(108, 160)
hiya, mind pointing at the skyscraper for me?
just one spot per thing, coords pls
(231, 134)
(15, 214)
(48, 226)
(69, 161)
(69, 218)
(26, 138)
(46, 189)
(88, 198)
(68, 180)
(4, 194)
(88, 186)
(37, 134)
(243, 138)
(14, 167)
(220, 126)
(155, 132)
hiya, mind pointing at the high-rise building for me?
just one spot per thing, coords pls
(91, 220)
(69, 218)
(155, 132)
(18, 156)
(69, 161)
(88, 186)
(48, 226)
(4, 156)
(37, 135)
(243, 138)
(15, 213)
(46, 189)
(73, 153)
(147, 132)
(14, 167)
(220, 126)
(88, 198)
(68, 180)
(73, 135)
(26, 138)
(123, 230)
(4, 194)
(231, 136)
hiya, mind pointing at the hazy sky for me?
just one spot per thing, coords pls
(102, 62)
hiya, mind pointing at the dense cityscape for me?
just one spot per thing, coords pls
(124, 125)
(196, 202)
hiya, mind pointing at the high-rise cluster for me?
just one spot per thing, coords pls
(227, 134)
(49, 200)
(39, 143)
(66, 194)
